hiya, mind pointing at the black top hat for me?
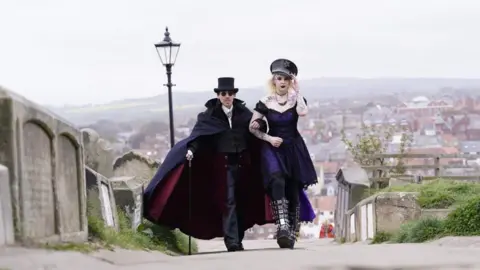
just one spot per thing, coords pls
(226, 84)
(284, 67)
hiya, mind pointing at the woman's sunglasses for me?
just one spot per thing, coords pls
(224, 93)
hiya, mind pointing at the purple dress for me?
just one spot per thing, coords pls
(291, 158)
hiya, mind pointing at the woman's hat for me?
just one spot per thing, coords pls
(284, 67)
(226, 84)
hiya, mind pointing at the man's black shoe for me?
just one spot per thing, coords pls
(233, 248)
(240, 247)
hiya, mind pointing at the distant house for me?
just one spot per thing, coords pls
(472, 148)
(426, 141)
(329, 185)
(325, 208)
(469, 147)
(467, 103)
(463, 126)
(472, 130)
(422, 106)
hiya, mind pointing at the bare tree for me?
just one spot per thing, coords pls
(375, 140)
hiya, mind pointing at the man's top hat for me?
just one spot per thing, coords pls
(226, 84)
(284, 67)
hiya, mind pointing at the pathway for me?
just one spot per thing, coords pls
(261, 254)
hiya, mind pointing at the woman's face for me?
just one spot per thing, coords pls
(282, 82)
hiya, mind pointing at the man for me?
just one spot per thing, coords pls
(223, 175)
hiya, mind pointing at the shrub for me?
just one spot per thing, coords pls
(173, 240)
(419, 231)
(439, 199)
(402, 235)
(425, 229)
(148, 236)
(381, 237)
(464, 220)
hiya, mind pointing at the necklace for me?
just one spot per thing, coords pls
(280, 103)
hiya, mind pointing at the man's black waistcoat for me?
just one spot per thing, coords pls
(232, 140)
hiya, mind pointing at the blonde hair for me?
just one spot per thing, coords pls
(271, 88)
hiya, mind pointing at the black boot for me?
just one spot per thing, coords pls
(280, 213)
(294, 220)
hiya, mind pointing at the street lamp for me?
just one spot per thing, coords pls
(167, 52)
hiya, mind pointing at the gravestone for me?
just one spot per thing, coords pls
(6, 215)
(137, 164)
(352, 183)
(101, 200)
(99, 155)
(129, 197)
(44, 157)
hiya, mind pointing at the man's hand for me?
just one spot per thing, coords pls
(189, 155)
(275, 141)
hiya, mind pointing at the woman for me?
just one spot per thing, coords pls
(286, 164)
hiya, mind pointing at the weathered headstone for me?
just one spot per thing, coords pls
(128, 195)
(99, 155)
(137, 164)
(44, 156)
(101, 200)
(6, 215)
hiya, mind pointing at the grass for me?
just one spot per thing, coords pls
(438, 194)
(149, 237)
(420, 231)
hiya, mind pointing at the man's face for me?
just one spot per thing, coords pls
(282, 82)
(226, 98)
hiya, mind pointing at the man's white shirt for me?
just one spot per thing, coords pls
(228, 113)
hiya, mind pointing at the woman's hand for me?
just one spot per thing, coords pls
(295, 85)
(254, 125)
(275, 141)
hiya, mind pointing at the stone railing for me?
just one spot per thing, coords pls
(381, 212)
(385, 212)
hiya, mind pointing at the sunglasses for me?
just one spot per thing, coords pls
(229, 93)
(283, 78)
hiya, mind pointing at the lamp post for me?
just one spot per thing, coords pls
(167, 52)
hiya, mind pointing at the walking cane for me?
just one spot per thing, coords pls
(190, 204)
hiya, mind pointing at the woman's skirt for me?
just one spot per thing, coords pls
(294, 162)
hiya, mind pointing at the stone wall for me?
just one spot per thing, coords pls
(44, 156)
(381, 212)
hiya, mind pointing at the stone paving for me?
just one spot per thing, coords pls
(447, 253)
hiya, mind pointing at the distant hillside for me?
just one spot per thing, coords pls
(187, 104)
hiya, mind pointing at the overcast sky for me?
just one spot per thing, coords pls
(95, 51)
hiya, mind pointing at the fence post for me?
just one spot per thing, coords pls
(437, 166)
